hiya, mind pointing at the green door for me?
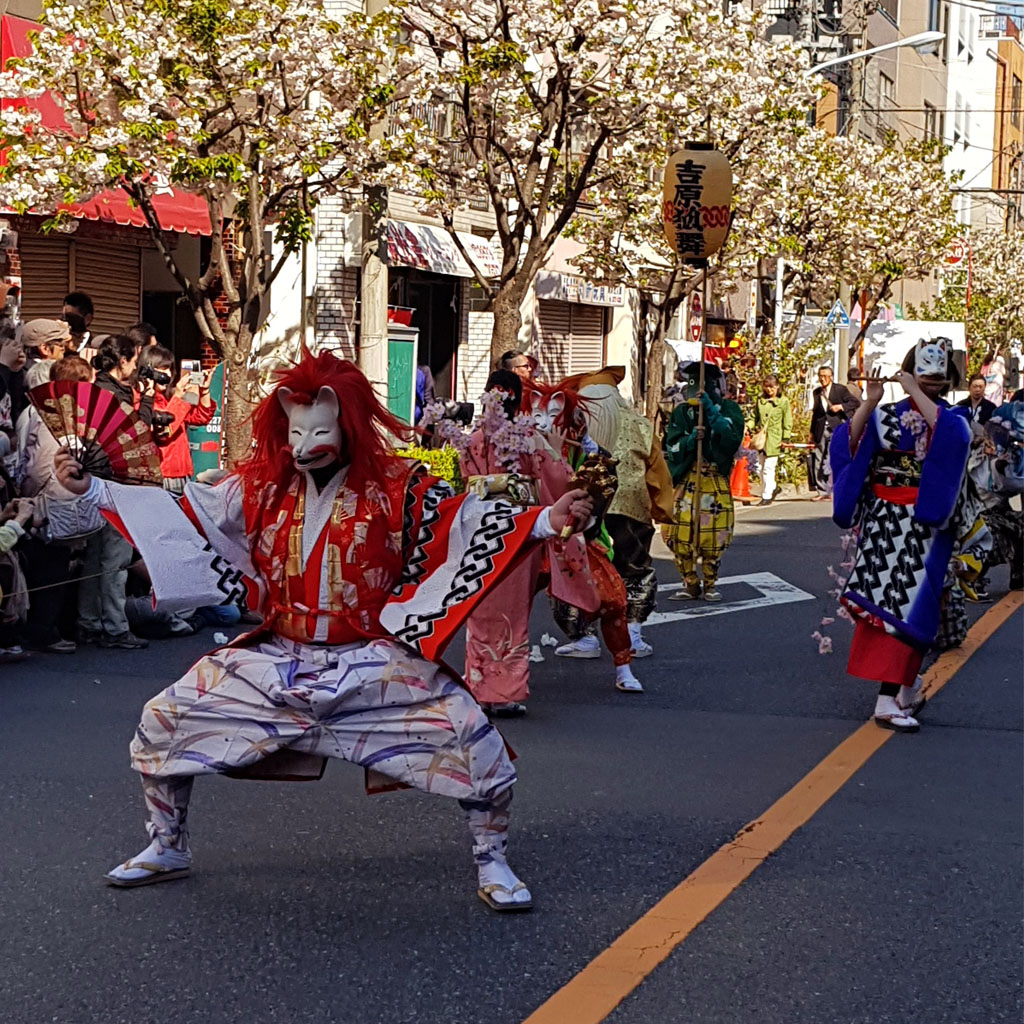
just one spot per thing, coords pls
(402, 377)
(205, 442)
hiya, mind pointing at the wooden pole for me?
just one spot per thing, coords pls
(695, 508)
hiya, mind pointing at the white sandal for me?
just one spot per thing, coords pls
(156, 863)
(889, 715)
(485, 893)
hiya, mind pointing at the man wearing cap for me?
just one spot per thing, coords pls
(44, 342)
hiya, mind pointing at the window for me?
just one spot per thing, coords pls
(1015, 102)
(967, 125)
(886, 93)
(934, 12)
(958, 119)
(933, 127)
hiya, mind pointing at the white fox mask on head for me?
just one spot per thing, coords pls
(931, 357)
(314, 433)
(546, 411)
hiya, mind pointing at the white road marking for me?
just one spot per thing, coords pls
(772, 590)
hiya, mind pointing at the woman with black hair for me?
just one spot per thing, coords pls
(177, 405)
(101, 593)
(116, 365)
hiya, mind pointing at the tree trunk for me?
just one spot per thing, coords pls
(238, 407)
(655, 375)
(508, 321)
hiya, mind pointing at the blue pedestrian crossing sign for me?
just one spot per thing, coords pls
(837, 315)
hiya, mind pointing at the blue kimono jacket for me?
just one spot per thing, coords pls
(910, 512)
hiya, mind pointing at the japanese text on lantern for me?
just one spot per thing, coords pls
(696, 202)
(684, 210)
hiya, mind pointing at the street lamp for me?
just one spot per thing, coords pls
(919, 42)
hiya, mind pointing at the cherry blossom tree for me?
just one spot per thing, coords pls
(765, 138)
(900, 221)
(260, 108)
(834, 209)
(995, 315)
(570, 105)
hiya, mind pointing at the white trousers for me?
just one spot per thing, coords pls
(768, 465)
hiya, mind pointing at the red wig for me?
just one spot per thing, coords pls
(365, 423)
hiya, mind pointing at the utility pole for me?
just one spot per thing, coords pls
(373, 319)
(856, 40)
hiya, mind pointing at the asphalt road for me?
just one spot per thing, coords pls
(314, 904)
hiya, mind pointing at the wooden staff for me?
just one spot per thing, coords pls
(695, 508)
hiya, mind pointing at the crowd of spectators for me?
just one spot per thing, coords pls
(67, 576)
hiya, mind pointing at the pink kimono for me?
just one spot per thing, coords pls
(498, 631)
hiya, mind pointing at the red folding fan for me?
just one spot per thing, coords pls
(106, 436)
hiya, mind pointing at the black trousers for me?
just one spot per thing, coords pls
(819, 475)
(47, 571)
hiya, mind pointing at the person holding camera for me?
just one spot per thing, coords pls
(101, 594)
(116, 364)
(187, 403)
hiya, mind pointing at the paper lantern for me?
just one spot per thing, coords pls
(696, 201)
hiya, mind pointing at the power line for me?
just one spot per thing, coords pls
(986, 6)
(973, 110)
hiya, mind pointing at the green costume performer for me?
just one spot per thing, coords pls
(723, 434)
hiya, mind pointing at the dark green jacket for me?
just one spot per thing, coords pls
(723, 435)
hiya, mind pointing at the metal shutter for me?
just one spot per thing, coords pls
(586, 351)
(554, 335)
(570, 338)
(44, 275)
(111, 275)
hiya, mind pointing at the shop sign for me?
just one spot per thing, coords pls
(430, 247)
(567, 288)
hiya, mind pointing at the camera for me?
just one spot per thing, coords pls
(460, 412)
(162, 420)
(158, 377)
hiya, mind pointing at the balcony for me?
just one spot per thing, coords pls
(996, 26)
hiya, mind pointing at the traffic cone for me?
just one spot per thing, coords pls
(739, 480)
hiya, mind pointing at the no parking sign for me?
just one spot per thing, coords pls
(696, 317)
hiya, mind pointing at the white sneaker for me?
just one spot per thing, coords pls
(586, 647)
(641, 648)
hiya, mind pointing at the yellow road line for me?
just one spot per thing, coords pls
(590, 996)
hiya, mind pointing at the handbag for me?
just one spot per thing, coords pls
(69, 519)
(758, 440)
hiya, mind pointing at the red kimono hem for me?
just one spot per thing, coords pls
(882, 657)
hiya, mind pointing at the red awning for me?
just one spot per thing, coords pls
(176, 210)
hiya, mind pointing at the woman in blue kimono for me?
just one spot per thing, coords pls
(900, 479)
